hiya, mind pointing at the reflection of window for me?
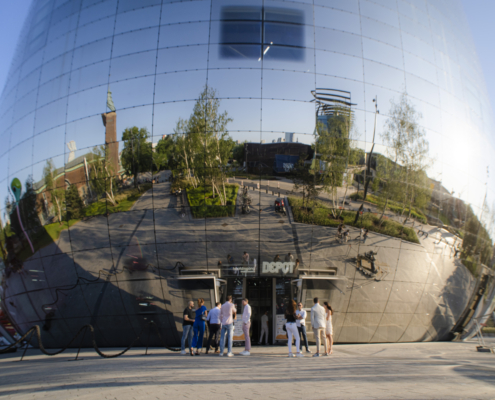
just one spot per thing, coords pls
(262, 32)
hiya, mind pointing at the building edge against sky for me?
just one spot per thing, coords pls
(215, 96)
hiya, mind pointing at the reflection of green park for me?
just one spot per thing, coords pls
(49, 233)
(322, 215)
(392, 206)
(204, 203)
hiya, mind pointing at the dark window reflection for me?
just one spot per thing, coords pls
(275, 33)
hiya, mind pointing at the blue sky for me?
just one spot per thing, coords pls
(479, 14)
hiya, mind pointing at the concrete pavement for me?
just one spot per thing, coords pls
(441, 370)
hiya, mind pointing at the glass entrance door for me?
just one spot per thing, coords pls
(259, 293)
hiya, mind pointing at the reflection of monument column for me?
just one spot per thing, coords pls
(111, 143)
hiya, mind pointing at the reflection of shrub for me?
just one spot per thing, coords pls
(470, 263)
(321, 215)
(125, 200)
(203, 205)
(392, 206)
(178, 183)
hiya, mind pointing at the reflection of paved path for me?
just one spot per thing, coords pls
(408, 371)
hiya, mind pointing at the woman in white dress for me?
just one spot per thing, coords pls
(329, 327)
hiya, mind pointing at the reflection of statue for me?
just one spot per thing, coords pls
(110, 104)
(72, 147)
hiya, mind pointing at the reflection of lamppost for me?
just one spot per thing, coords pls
(16, 188)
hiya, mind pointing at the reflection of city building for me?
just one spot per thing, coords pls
(78, 169)
(280, 158)
(176, 68)
(75, 172)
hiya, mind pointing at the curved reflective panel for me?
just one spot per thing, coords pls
(155, 152)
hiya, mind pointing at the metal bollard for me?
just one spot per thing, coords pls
(278, 194)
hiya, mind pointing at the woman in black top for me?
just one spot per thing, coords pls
(291, 327)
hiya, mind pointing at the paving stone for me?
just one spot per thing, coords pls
(439, 370)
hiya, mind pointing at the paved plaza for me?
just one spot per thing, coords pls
(438, 370)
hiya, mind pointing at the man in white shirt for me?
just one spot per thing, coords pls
(318, 323)
(214, 326)
(301, 325)
(289, 258)
(264, 328)
(227, 316)
(246, 324)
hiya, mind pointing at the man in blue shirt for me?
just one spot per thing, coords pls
(214, 326)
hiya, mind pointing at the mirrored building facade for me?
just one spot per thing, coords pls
(154, 152)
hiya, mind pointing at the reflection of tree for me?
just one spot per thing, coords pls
(403, 177)
(101, 175)
(304, 180)
(74, 203)
(477, 244)
(203, 144)
(334, 147)
(137, 153)
(163, 153)
(238, 152)
(28, 210)
(56, 194)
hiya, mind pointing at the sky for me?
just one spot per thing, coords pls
(479, 14)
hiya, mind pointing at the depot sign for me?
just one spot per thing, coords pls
(276, 267)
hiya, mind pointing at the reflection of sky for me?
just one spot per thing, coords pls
(265, 98)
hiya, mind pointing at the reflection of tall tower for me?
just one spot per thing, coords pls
(111, 143)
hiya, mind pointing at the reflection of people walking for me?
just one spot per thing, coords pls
(187, 328)
(318, 322)
(328, 328)
(365, 236)
(199, 325)
(246, 324)
(214, 327)
(277, 258)
(289, 258)
(227, 316)
(245, 258)
(361, 233)
(264, 328)
(291, 327)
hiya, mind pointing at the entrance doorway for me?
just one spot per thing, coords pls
(259, 292)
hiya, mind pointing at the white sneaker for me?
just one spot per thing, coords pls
(291, 355)
(245, 353)
(183, 352)
(230, 354)
(299, 355)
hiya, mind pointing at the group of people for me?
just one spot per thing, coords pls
(321, 322)
(344, 234)
(220, 320)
